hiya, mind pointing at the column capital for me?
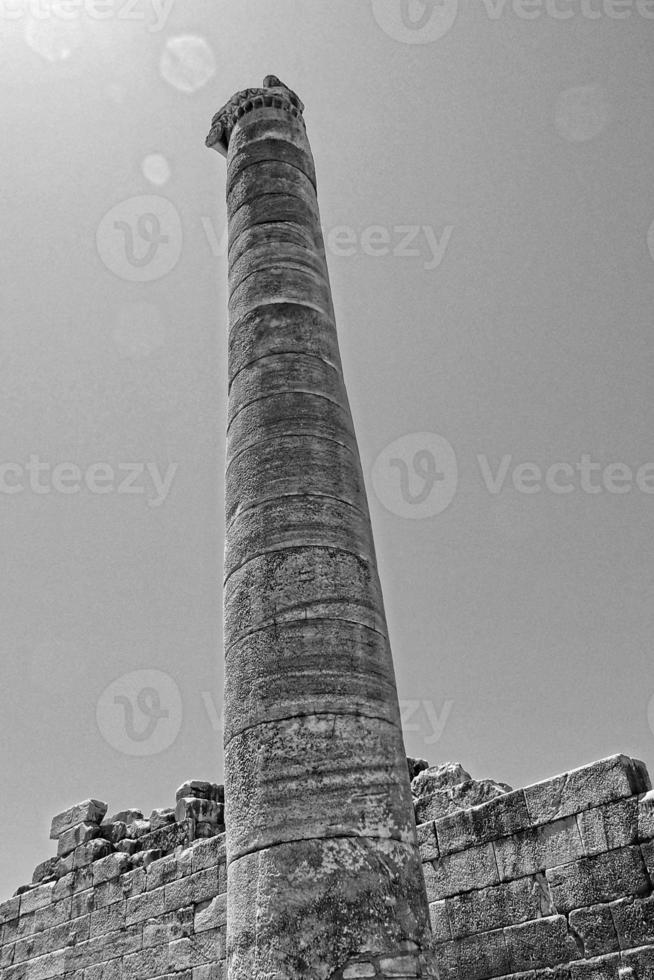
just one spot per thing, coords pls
(273, 94)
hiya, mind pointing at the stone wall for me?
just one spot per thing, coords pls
(124, 897)
(558, 875)
(551, 882)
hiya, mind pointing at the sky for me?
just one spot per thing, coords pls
(484, 176)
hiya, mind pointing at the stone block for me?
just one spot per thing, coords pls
(503, 905)
(460, 872)
(93, 851)
(640, 963)
(114, 832)
(534, 850)
(81, 833)
(634, 921)
(112, 866)
(201, 789)
(598, 968)
(540, 943)
(9, 910)
(167, 928)
(162, 818)
(136, 829)
(582, 789)
(482, 956)
(608, 827)
(192, 889)
(504, 815)
(212, 915)
(90, 811)
(399, 966)
(198, 809)
(356, 971)
(596, 929)
(143, 859)
(440, 923)
(125, 816)
(46, 870)
(145, 906)
(599, 879)
(647, 850)
(37, 898)
(168, 838)
(208, 853)
(646, 817)
(427, 841)
(161, 872)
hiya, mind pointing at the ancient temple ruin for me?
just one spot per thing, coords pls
(327, 854)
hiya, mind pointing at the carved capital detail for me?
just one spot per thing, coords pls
(273, 94)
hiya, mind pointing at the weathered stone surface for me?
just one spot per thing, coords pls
(110, 867)
(82, 833)
(598, 968)
(544, 942)
(94, 850)
(313, 932)
(504, 815)
(113, 832)
(503, 905)
(167, 838)
(595, 928)
(634, 921)
(317, 776)
(125, 816)
(90, 811)
(597, 880)
(193, 808)
(589, 786)
(201, 789)
(440, 923)
(460, 872)
(45, 870)
(297, 667)
(646, 816)
(538, 848)
(280, 328)
(451, 798)
(608, 827)
(137, 828)
(427, 842)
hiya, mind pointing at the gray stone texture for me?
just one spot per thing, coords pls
(321, 839)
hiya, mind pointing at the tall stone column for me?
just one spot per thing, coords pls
(324, 872)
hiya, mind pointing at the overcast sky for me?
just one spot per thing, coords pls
(485, 185)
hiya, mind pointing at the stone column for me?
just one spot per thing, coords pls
(324, 871)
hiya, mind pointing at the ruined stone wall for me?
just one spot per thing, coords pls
(121, 900)
(551, 882)
(557, 875)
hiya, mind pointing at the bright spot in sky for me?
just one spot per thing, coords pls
(187, 62)
(139, 330)
(582, 113)
(156, 169)
(53, 37)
